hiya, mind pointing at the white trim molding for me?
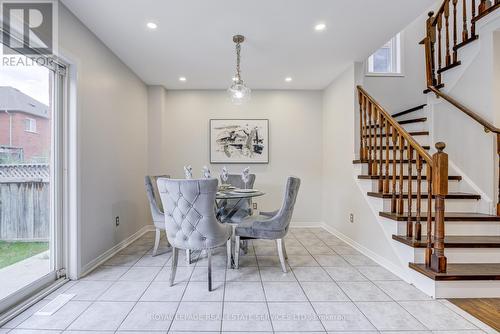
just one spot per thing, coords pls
(86, 269)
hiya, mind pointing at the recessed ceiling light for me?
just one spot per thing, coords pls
(320, 27)
(288, 79)
(151, 25)
(182, 79)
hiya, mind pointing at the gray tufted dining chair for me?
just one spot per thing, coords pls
(269, 227)
(190, 219)
(156, 207)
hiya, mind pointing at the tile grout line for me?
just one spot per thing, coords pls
(91, 302)
(184, 292)
(393, 300)
(142, 294)
(263, 289)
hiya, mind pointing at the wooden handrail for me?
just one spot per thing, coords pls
(435, 57)
(412, 142)
(381, 137)
(487, 125)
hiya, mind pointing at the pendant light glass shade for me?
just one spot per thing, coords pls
(238, 92)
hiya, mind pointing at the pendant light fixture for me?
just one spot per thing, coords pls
(238, 92)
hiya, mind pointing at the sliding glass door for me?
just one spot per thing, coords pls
(32, 98)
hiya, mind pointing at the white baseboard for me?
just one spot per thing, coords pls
(396, 270)
(86, 269)
(306, 224)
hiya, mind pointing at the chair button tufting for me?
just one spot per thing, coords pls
(180, 194)
(203, 238)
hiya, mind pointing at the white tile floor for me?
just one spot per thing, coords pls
(330, 287)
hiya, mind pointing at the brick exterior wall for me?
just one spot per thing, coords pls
(35, 145)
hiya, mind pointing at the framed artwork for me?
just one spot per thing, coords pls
(244, 141)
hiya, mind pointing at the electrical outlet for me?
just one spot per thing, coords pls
(254, 206)
(351, 217)
(117, 220)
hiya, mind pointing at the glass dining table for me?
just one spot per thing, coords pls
(236, 196)
(225, 212)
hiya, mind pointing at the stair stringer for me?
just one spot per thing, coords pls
(406, 254)
(403, 253)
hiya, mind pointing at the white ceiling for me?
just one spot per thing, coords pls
(194, 37)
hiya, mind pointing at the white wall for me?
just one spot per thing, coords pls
(469, 148)
(341, 193)
(111, 121)
(295, 141)
(404, 92)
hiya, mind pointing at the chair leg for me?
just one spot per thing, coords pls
(175, 258)
(280, 245)
(166, 239)
(157, 241)
(188, 256)
(237, 252)
(209, 256)
(229, 254)
(284, 249)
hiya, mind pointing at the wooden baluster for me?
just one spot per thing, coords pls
(440, 189)
(383, 132)
(498, 152)
(361, 126)
(409, 223)
(465, 31)
(428, 249)
(429, 41)
(472, 16)
(365, 130)
(455, 31)
(483, 6)
(370, 143)
(375, 113)
(394, 179)
(447, 30)
(387, 141)
(440, 46)
(401, 177)
(418, 225)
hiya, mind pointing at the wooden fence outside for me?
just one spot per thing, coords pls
(24, 202)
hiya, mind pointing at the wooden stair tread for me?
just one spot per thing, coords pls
(454, 241)
(405, 161)
(449, 67)
(408, 121)
(451, 195)
(466, 42)
(462, 271)
(413, 120)
(448, 216)
(427, 90)
(405, 177)
(491, 9)
(413, 133)
(404, 112)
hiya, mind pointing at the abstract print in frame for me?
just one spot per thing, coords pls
(239, 141)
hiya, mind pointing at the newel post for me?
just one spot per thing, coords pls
(440, 190)
(429, 49)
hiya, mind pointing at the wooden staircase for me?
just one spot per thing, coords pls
(451, 239)
(390, 157)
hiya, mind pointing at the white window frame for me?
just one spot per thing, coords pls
(32, 125)
(397, 49)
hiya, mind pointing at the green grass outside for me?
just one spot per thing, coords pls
(12, 252)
